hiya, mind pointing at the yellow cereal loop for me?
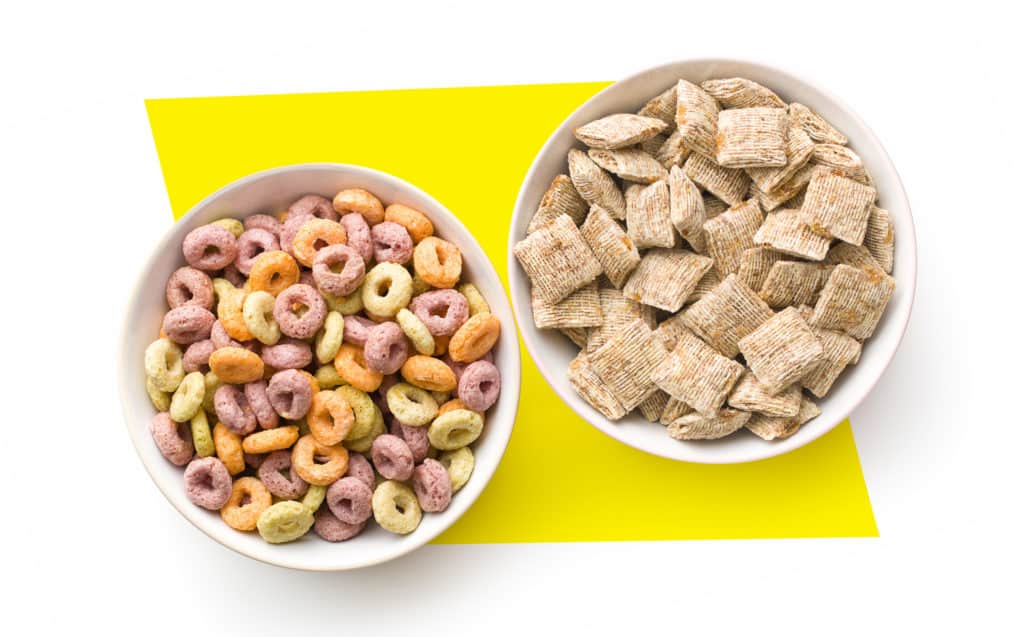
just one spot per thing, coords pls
(314, 497)
(243, 517)
(396, 508)
(188, 397)
(455, 429)
(362, 410)
(411, 405)
(211, 383)
(163, 364)
(328, 378)
(258, 314)
(416, 331)
(328, 339)
(202, 437)
(386, 289)
(234, 226)
(459, 464)
(477, 302)
(363, 444)
(285, 521)
(160, 399)
(223, 287)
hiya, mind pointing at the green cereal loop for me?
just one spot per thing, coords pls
(419, 286)
(362, 408)
(399, 289)
(328, 377)
(160, 399)
(163, 364)
(202, 439)
(345, 305)
(454, 429)
(234, 226)
(411, 405)
(441, 397)
(258, 314)
(459, 464)
(417, 332)
(328, 339)
(284, 522)
(477, 302)
(362, 445)
(396, 508)
(314, 497)
(211, 383)
(188, 397)
(223, 288)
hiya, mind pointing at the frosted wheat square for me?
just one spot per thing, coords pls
(662, 106)
(701, 427)
(794, 283)
(787, 192)
(557, 260)
(750, 394)
(841, 160)
(595, 185)
(738, 92)
(696, 118)
(793, 232)
(728, 184)
(799, 148)
(815, 125)
(781, 350)
(648, 218)
(780, 427)
(631, 164)
(673, 151)
(665, 278)
(726, 314)
(853, 301)
(840, 350)
(616, 312)
(755, 264)
(619, 130)
(697, 375)
(560, 198)
(612, 247)
(880, 238)
(752, 138)
(627, 361)
(851, 255)
(592, 389)
(653, 406)
(686, 208)
(582, 308)
(729, 234)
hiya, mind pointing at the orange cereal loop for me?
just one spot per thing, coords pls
(441, 345)
(475, 338)
(437, 262)
(228, 447)
(235, 365)
(351, 366)
(452, 405)
(273, 272)
(242, 517)
(330, 417)
(415, 222)
(232, 317)
(313, 235)
(317, 463)
(427, 372)
(361, 201)
(269, 440)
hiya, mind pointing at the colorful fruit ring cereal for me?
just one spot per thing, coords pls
(396, 508)
(187, 398)
(429, 373)
(338, 269)
(314, 497)
(387, 288)
(207, 483)
(361, 469)
(358, 232)
(327, 377)
(221, 338)
(475, 338)
(161, 400)
(172, 439)
(442, 311)
(251, 244)
(415, 437)
(457, 428)
(458, 368)
(228, 445)
(212, 384)
(300, 311)
(312, 206)
(262, 222)
(243, 517)
(332, 529)
(210, 248)
(477, 303)
(459, 464)
(202, 437)
(290, 394)
(164, 365)
(363, 445)
(392, 457)
(362, 410)
(258, 314)
(437, 262)
(391, 243)
(197, 356)
(361, 201)
(259, 403)
(345, 305)
(288, 353)
(269, 440)
(229, 313)
(415, 222)
(189, 286)
(285, 521)
(386, 348)
(187, 324)
(351, 366)
(357, 328)
(233, 409)
(236, 365)
(232, 225)
(416, 331)
(432, 486)
(271, 473)
(273, 272)
(318, 464)
(411, 405)
(313, 235)
(329, 338)
(330, 417)
(350, 500)
(480, 385)
(454, 403)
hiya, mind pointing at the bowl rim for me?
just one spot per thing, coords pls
(511, 385)
(517, 278)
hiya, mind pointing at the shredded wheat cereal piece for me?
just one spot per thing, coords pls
(843, 160)
(752, 138)
(799, 148)
(686, 208)
(651, 146)
(665, 278)
(662, 106)
(738, 92)
(839, 204)
(648, 219)
(815, 125)
(853, 256)
(794, 283)
(707, 283)
(701, 427)
(668, 330)
(840, 350)
(713, 206)
(697, 374)
(728, 184)
(782, 350)
(595, 185)
(793, 232)
(755, 264)
(880, 238)
(653, 406)
(557, 259)
(727, 314)
(853, 301)
(730, 233)
(592, 389)
(625, 363)
(631, 164)
(616, 312)
(578, 336)
(673, 152)
(582, 308)
(611, 245)
(779, 427)
(619, 130)
(696, 118)
(750, 395)
(786, 192)
(561, 198)
(674, 409)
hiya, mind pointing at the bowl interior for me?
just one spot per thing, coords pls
(552, 352)
(271, 191)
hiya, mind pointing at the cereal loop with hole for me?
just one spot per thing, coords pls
(243, 517)
(314, 235)
(438, 262)
(415, 437)
(317, 463)
(251, 245)
(416, 223)
(457, 428)
(271, 473)
(362, 411)
(188, 398)
(432, 486)
(188, 324)
(395, 507)
(207, 483)
(442, 311)
(284, 521)
(269, 440)
(428, 373)
(210, 248)
(387, 288)
(480, 385)
(300, 311)
(230, 317)
(330, 417)
(386, 348)
(350, 500)
(164, 365)
(290, 393)
(391, 243)
(236, 365)
(392, 457)
(173, 441)
(363, 445)
(350, 364)
(189, 286)
(316, 206)
(328, 339)
(338, 269)
(330, 528)
(258, 314)
(273, 272)
(416, 331)
(359, 201)
(459, 464)
(475, 338)
(228, 446)
(411, 405)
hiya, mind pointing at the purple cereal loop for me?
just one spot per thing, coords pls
(271, 475)
(187, 324)
(432, 485)
(207, 483)
(254, 460)
(288, 231)
(259, 402)
(386, 348)
(359, 467)
(391, 242)
(189, 286)
(332, 529)
(233, 276)
(251, 244)
(349, 499)
(291, 323)
(356, 329)
(209, 248)
(392, 457)
(220, 337)
(358, 232)
(197, 356)
(288, 353)
(442, 311)
(415, 437)
(343, 283)
(262, 222)
(458, 368)
(233, 410)
(173, 441)
(313, 206)
(480, 385)
(290, 394)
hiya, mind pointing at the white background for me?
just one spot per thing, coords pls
(86, 539)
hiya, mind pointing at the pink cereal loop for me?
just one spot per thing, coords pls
(197, 356)
(207, 483)
(349, 499)
(233, 410)
(189, 286)
(356, 330)
(359, 467)
(432, 485)
(313, 206)
(259, 402)
(288, 353)
(209, 248)
(251, 244)
(391, 242)
(392, 457)
(292, 323)
(290, 393)
(262, 222)
(359, 237)
(342, 283)
(442, 311)
(270, 474)
(479, 385)
(386, 348)
(187, 324)
(173, 440)
(332, 529)
(415, 437)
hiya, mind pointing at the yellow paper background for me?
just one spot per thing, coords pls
(561, 480)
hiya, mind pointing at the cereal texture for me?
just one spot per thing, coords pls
(627, 362)
(611, 246)
(665, 278)
(726, 314)
(731, 233)
(779, 427)
(752, 138)
(557, 260)
(701, 427)
(793, 232)
(782, 350)
(839, 204)
(697, 375)
(852, 301)
(619, 130)
(696, 118)
(560, 198)
(648, 218)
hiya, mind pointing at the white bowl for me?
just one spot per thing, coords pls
(273, 190)
(552, 351)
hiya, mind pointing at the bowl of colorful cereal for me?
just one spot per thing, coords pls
(712, 261)
(320, 367)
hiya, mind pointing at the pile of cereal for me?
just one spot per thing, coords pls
(713, 256)
(345, 369)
